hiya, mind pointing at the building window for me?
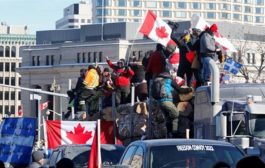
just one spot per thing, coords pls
(225, 6)
(52, 59)
(33, 61)
(84, 57)
(196, 5)
(7, 97)
(99, 12)
(251, 59)
(1, 97)
(19, 81)
(107, 2)
(248, 1)
(238, 1)
(13, 51)
(95, 56)
(83, 20)
(122, 3)
(47, 60)
(38, 60)
(7, 67)
(99, 3)
(259, 10)
(225, 16)
(237, 16)
(6, 80)
(136, 3)
(181, 5)
(100, 58)
(210, 15)
(1, 51)
(7, 51)
(166, 4)
(107, 12)
(210, 6)
(151, 4)
(248, 18)
(13, 67)
(1, 80)
(73, 20)
(167, 14)
(136, 13)
(259, 19)
(122, 12)
(1, 66)
(78, 58)
(181, 14)
(13, 81)
(88, 57)
(259, 2)
(247, 9)
(237, 8)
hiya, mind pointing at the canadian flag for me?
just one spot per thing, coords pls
(156, 29)
(200, 23)
(69, 132)
(44, 105)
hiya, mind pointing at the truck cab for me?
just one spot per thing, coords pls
(238, 116)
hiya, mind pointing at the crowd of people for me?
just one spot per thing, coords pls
(162, 67)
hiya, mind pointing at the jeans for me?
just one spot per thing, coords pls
(206, 72)
(172, 114)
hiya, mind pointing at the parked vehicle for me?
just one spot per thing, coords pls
(179, 153)
(79, 154)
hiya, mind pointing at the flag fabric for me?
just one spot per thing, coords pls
(95, 155)
(69, 132)
(156, 29)
(44, 105)
(16, 140)
(200, 23)
(106, 137)
(232, 66)
(20, 111)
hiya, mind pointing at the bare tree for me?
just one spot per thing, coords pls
(261, 62)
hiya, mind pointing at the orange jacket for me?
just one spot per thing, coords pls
(91, 80)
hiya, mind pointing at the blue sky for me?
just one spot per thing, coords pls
(36, 14)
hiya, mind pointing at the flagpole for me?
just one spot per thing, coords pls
(99, 143)
(45, 136)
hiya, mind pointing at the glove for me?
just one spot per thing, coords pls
(107, 58)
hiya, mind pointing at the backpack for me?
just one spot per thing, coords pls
(158, 88)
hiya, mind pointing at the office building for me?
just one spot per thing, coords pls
(11, 39)
(75, 15)
(233, 11)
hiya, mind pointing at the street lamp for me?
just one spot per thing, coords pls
(54, 88)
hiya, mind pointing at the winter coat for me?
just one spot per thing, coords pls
(139, 73)
(170, 86)
(34, 165)
(156, 63)
(122, 75)
(207, 44)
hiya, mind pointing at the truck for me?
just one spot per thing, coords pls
(231, 112)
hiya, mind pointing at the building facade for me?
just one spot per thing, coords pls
(233, 11)
(11, 39)
(75, 15)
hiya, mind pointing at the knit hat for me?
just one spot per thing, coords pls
(214, 28)
(37, 156)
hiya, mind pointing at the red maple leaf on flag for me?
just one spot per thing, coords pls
(79, 136)
(161, 32)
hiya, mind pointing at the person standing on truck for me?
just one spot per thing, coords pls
(163, 89)
(207, 51)
(122, 83)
